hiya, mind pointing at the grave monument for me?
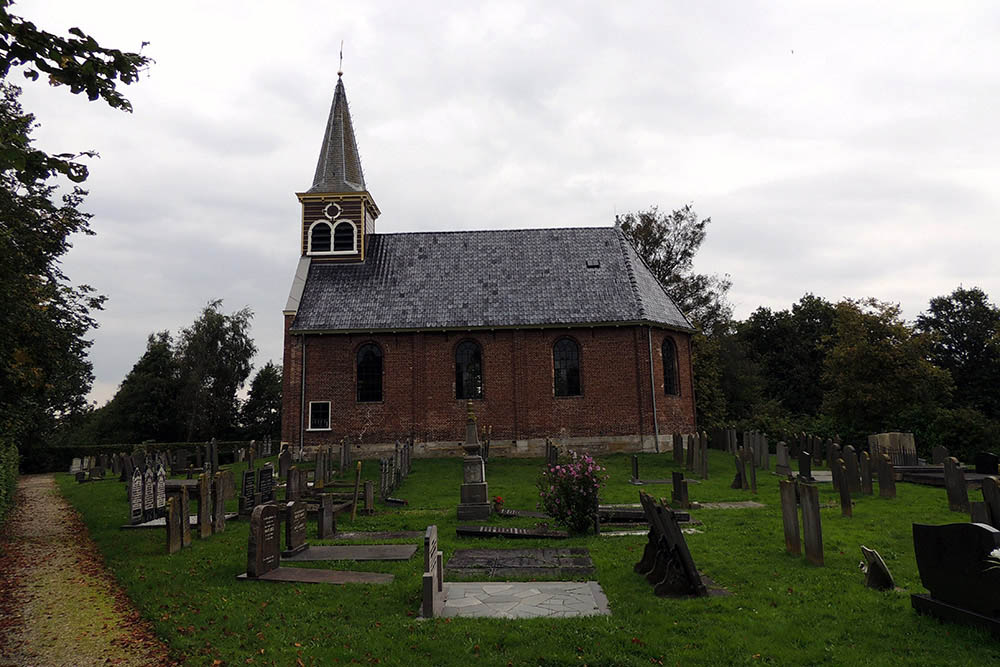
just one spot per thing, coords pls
(475, 498)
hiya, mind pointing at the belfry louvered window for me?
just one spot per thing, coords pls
(369, 373)
(468, 370)
(319, 237)
(566, 367)
(671, 385)
(343, 237)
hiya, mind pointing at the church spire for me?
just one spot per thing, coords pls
(339, 165)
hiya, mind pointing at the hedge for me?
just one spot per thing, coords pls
(8, 477)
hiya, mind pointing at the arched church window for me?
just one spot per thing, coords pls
(369, 373)
(468, 370)
(671, 385)
(319, 237)
(343, 237)
(566, 367)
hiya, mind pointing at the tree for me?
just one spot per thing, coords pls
(964, 335)
(214, 355)
(145, 406)
(44, 370)
(668, 244)
(876, 372)
(261, 414)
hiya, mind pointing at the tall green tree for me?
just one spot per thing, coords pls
(215, 355)
(145, 406)
(876, 373)
(668, 243)
(44, 370)
(261, 414)
(963, 330)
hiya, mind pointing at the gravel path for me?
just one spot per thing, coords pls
(58, 603)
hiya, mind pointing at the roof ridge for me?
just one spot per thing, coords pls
(494, 231)
(633, 283)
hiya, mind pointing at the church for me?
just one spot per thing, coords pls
(556, 332)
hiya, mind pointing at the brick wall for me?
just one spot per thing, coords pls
(418, 387)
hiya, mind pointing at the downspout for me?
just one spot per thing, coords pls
(652, 389)
(302, 398)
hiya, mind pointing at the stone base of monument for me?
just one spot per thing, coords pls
(925, 604)
(474, 512)
(354, 552)
(313, 576)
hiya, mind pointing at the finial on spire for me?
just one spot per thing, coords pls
(340, 69)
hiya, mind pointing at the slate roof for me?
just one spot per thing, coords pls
(499, 278)
(339, 166)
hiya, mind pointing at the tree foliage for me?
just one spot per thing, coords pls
(261, 414)
(668, 243)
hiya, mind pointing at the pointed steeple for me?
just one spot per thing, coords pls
(339, 166)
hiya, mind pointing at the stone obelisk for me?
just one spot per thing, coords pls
(475, 503)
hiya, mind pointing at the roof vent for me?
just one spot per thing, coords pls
(593, 263)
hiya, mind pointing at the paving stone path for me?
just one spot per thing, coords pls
(58, 603)
(525, 599)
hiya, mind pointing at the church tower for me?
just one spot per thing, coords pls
(338, 213)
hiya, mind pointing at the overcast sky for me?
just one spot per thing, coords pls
(840, 148)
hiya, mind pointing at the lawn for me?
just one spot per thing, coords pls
(781, 610)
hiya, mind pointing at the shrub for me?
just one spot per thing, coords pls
(568, 492)
(8, 477)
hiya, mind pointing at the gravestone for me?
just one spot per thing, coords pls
(679, 496)
(198, 459)
(319, 473)
(954, 483)
(986, 463)
(182, 460)
(635, 468)
(678, 449)
(248, 489)
(782, 465)
(76, 466)
(834, 450)
(979, 513)
(284, 462)
(939, 454)
(160, 506)
(765, 453)
(135, 497)
(844, 488)
(184, 503)
(805, 466)
(295, 528)
(265, 483)
(174, 525)
(953, 567)
(877, 573)
(666, 562)
(991, 498)
(292, 490)
(740, 481)
(215, 455)
(326, 526)
(369, 496)
(148, 495)
(812, 531)
(790, 516)
(433, 575)
(752, 471)
(264, 545)
(689, 443)
(886, 477)
(475, 498)
(251, 455)
(218, 505)
(704, 455)
(866, 474)
(204, 506)
(851, 469)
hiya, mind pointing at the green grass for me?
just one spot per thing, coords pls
(781, 610)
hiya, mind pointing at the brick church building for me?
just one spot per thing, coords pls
(559, 332)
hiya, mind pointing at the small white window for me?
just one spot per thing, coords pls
(319, 416)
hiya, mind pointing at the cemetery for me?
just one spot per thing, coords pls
(688, 565)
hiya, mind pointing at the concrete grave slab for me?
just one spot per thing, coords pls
(354, 552)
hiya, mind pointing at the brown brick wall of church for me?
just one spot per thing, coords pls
(419, 386)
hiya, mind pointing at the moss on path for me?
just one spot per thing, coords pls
(58, 603)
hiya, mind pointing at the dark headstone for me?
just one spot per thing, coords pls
(218, 504)
(790, 516)
(844, 488)
(812, 531)
(264, 545)
(326, 525)
(204, 498)
(135, 497)
(284, 462)
(866, 474)
(635, 468)
(939, 454)
(953, 566)
(740, 480)
(805, 465)
(265, 483)
(666, 562)
(174, 525)
(851, 468)
(783, 465)
(295, 528)
(680, 491)
(292, 489)
(148, 495)
(886, 477)
(979, 513)
(185, 512)
(954, 482)
(161, 491)
(678, 449)
(877, 574)
(248, 489)
(986, 463)
(991, 498)
(689, 453)
(752, 473)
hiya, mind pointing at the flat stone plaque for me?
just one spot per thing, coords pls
(313, 576)
(355, 552)
(501, 531)
(521, 562)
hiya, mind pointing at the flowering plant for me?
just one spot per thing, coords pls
(497, 503)
(568, 492)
